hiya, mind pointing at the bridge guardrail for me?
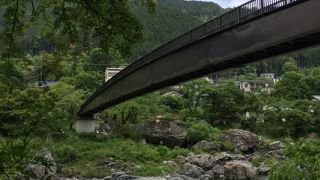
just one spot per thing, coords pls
(235, 16)
(244, 12)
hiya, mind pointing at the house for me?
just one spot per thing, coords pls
(172, 94)
(267, 75)
(252, 85)
(85, 126)
(316, 98)
(44, 84)
(110, 72)
(89, 125)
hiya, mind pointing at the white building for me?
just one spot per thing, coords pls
(110, 72)
(316, 98)
(172, 94)
(252, 85)
(267, 75)
(85, 126)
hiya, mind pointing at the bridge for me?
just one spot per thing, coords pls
(253, 31)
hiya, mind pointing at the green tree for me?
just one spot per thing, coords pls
(292, 86)
(110, 24)
(290, 65)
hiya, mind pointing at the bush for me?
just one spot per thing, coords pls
(66, 154)
(174, 103)
(201, 131)
(304, 162)
(129, 132)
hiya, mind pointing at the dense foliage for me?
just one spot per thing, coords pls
(53, 42)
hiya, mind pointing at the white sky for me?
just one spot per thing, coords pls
(228, 3)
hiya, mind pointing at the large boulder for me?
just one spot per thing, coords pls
(276, 145)
(244, 141)
(163, 132)
(204, 161)
(42, 166)
(207, 146)
(191, 171)
(225, 156)
(238, 170)
(207, 161)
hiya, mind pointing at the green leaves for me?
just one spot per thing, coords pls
(304, 161)
(86, 23)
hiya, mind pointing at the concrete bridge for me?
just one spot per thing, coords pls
(253, 31)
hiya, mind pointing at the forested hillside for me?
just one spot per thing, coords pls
(202, 129)
(171, 19)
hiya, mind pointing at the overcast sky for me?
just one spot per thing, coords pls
(228, 3)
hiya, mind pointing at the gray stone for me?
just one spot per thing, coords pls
(207, 146)
(238, 170)
(180, 177)
(181, 160)
(244, 141)
(163, 132)
(263, 170)
(42, 166)
(277, 145)
(191, 171)
(218, 170)
(225, 156)
(171, 165)
(204, 161)
(206, 177)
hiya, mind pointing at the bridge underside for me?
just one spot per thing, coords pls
(284, 31)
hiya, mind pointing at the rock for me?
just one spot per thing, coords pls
(277, 155)
(204, 161)
(163, 132)
(42, 166)
(122, 176)
(191, 170)
(263, 170)
(313, 136)
(180, 177)
(237, 170)
(244, 141)
(114, 164)
(218, 170)
(277, 145)
(181, 160)
(207, 146)
(206, 177)
(171, 164)
(224, 156)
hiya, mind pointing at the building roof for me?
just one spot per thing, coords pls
(317, 97)
(254, 81)
(172, 93)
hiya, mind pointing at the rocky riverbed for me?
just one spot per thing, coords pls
(242, 163)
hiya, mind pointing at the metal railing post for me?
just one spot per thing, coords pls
(239, 14)
(262, 5)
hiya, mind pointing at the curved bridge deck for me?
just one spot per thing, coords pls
(253, 31)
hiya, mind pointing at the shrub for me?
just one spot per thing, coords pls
(129, 132)
(201, 131)
(304, 162)
(66, 153)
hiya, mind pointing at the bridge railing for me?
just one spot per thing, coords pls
(244, 12)
(237, 15)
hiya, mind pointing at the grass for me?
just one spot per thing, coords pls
(79, 156)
